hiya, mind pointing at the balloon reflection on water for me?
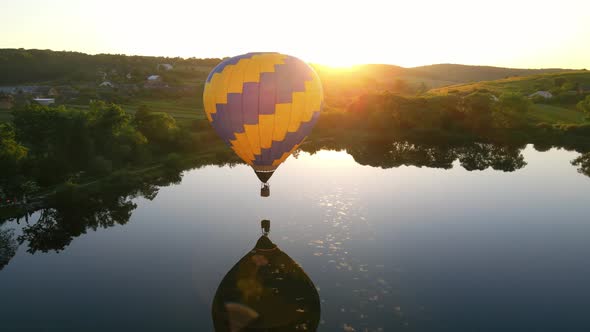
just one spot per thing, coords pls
(266, 290)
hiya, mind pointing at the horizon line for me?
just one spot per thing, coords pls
(309, 62)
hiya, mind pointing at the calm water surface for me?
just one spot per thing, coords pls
(405, 248)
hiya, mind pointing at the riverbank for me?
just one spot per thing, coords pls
(165, 171)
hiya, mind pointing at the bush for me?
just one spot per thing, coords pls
(100, 166)
(173, 161)
(513, 103)
(584, 105)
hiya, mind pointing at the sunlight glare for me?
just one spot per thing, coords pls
(335, 33)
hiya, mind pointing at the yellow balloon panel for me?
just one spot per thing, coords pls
(263, 105)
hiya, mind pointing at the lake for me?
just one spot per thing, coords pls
(401, 248)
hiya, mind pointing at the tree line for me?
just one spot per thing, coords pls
(475, 116)
(19, 66)
(45, 146)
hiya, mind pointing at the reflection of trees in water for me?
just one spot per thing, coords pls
(8, 247)
(75, 210)
(479, 156)
(79, 208)
(473, 156)
(58, 226)
(543, 147)
(398, 154)
(583, 164)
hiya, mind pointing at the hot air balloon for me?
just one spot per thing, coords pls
(263, 105)
(266, 291)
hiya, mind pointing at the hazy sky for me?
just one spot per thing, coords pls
(514, 33)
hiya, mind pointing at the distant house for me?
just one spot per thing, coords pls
(44, 101)
(494, 98)
(155, 82)
(53, 92)
(544, 94)
(165, 66)
(106, 84)
(129, 76)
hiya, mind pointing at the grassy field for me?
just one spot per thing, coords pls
(525, 85)
(181, 108)
(178, 109)
(555, 114)
(174, 112)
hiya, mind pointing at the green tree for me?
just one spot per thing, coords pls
(477, 108)
(543, 84)
(511, 110)
(12, 155)
(58, 139)
(159, 128)
(513, 102)
(559, 81)
(107, 120)
(113, 132)
(569, 86)
(10, 150)
(584, 105)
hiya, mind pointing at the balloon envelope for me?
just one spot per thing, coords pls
(263, 105)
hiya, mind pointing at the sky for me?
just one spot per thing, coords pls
(514, 33)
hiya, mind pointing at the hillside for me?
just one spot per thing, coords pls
(20, 66)
(566, 89)
(76, 78)
(556, 83)
(462, 73)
